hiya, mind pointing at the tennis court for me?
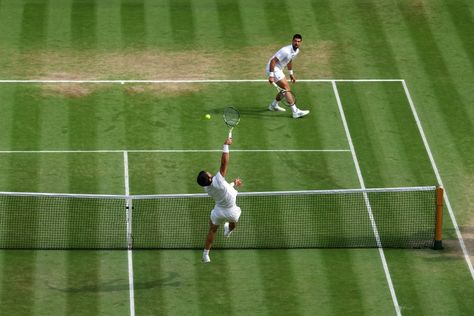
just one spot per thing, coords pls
(84, 113)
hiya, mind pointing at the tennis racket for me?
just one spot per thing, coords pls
(287, 97)
(231, 118)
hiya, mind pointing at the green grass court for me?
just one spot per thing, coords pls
(64, 131)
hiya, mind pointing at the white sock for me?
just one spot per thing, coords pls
(275, 102)
(294, 108)
(205, 252)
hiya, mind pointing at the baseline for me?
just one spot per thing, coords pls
(163, 151)
(123, 81)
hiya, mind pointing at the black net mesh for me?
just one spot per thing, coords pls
(319, 219)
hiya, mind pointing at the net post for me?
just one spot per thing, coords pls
(438, 243)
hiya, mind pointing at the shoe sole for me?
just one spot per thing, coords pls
(276, 110)
(300, 116)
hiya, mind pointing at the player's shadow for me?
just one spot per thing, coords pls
(257, 111)
(121, 285)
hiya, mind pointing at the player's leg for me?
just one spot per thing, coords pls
(233, 218)
(297, 113)
(275, 106)
(283, 83)
(209, 240)
(216, 219)
(228, 228)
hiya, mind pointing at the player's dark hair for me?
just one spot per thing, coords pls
(203, 179)
(298, 36)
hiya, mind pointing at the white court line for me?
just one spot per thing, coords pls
(438, 178)
(367, 202)
(129, 235)
(163, 151)
(191, 81)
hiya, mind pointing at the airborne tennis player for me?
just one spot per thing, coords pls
(225, 210)
(281, 59)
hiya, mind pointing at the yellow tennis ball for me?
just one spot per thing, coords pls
(208, 116)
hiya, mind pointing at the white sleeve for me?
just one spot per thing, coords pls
(281, 54)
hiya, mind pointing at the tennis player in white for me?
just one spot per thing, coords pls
(224, 194)
(281, 59)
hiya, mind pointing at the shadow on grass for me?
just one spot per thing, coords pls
(122, 285)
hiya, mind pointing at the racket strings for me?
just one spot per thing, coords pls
(231, 117)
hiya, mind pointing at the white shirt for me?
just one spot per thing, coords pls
(284, 55)
(223, 193)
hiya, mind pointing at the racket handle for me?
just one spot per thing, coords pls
(230, 134)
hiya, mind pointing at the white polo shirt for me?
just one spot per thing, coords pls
(284, 55)
(223, 193)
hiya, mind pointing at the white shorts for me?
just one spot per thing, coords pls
(220, 216)
(278, 73)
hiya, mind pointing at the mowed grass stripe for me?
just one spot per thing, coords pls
(266, 131)
(253, 15)
(183, 30)
(462, 17)
(109, 19)
(171, 283)
(10, 31)
(382, 126)
(84, 24)
(373, 31)
(341, 285)
(326, 22)
(33, 32)
(17, 276)
(18, 294)
(58, 24)
(54, 113)
(111, 117)
(281, 10)
(442, 84)
(214, 278)
(158, 24)
(78, 114)
(423, 274)
(231, 24)
(314, 283)
(133, 24)
(7, 95)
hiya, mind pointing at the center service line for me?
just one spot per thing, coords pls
(129, 234)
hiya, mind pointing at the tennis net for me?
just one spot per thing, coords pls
(390, 217)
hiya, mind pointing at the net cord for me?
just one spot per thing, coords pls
(200, 195)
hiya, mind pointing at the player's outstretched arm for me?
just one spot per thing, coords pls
(225, 157)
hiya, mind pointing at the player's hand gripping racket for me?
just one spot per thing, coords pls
(287, 97)
(231, 118)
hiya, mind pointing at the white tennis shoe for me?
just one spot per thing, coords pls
(206, 258)
(276, 108)
(227, 232)
(300, 113)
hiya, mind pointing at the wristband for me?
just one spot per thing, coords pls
(272, 74)
(225, 149)
(232, 184)
(290, 72)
